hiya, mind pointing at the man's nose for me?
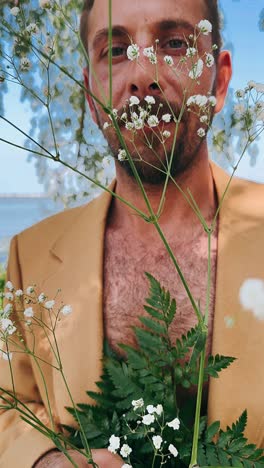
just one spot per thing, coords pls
(141, 80)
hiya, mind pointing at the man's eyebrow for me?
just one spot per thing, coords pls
(168, 24)
(102, 34)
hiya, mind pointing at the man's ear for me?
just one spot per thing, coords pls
(223, 77)
(88, 96)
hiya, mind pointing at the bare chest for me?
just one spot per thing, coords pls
(126, 285)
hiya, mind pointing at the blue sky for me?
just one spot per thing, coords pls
(241, 18)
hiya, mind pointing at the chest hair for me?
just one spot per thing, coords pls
(126, 286)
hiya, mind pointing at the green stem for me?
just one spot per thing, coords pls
(180, 273)
(202, 363)
(84, 438)
(168, 175)
(27, 136)
(46, 391)
(193, 461)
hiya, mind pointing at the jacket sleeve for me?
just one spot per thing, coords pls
(20, 444)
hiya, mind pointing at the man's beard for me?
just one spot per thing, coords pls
(152, 164)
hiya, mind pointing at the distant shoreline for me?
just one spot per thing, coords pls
(23, 195)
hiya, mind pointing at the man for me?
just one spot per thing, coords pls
(97, 254)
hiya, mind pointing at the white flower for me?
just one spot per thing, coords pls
(201, 132)
(126, 466)
(6, 356)
(150, 54)
(19, 293)
(251, 84)
(14, 11)
(157, 441)
(114, 442)
(259, 87)
(28, 312)
(123, 116)
(205, 27)
(148, 51)
(153, 121)
(150, 99)
(251, 296)
(259, 109)
(191, 51)
(166, 118)
(25, 64)
(209, 60)
(7, 309)
(138, 124)
(143, 114)
(49, 304)
(133, 52)
(8, 326)
(138, 403)
(129, 125)
(121, 155)
(9, 286)
(197, 70)
(134, 101)
(45, 3)
(41, 298)
(9, 296)
(173, 450)
(148, 419)
(125, 451)
(66, 310)
(166, 134)
(212, 100)
(151, 409)
(159, 409)
(240, 93)
(203, 118)
(239, 109)
(168, 60)
(32, 28)
(30, 290)
(106, 125)
(175, 424)
(197, 99)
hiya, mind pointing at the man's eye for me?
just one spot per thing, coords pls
(118, 51)
(176, 44)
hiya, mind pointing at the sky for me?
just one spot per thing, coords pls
(17, 175)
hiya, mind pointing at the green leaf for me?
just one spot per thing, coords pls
(211, 431)
(216, 364)
(211, 455)
(153, 325)
(239, 426)
(153, 312)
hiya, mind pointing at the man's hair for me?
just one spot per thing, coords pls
(213, 15)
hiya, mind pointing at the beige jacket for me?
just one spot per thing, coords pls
(66, 251)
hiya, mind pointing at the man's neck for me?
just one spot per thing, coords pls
(176, 214)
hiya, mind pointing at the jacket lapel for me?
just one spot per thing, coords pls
(78, 256)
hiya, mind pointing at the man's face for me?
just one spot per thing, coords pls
(142, 23)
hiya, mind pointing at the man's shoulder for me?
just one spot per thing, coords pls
(239, 193)
(44, 233)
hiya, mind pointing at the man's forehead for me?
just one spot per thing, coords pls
(132, 14)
